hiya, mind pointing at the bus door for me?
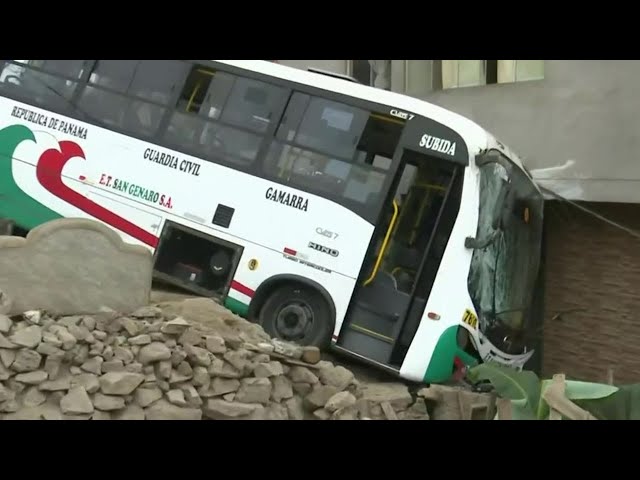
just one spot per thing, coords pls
(402, 266)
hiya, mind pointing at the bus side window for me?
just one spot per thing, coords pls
(47, 83)
(131, 94)
(221, 116)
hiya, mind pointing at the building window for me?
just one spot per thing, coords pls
(361, 71)
(473, 73)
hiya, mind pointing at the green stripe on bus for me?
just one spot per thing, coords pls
(16, 204)
(440, 367)
(237, 306)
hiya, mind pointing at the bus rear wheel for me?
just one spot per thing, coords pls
(299, 314)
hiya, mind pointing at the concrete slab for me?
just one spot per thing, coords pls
(72, 266)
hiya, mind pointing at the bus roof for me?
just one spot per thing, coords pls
(477, 138)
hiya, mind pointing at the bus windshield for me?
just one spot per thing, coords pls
(504, 273)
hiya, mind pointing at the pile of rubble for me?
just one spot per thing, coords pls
(186, 360)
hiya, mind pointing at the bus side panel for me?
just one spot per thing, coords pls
(134, 186)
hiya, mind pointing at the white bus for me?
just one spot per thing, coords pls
(332, 213)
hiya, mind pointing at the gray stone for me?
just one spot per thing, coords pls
(124, 354)
(113, 366)
(265, 348)
(80, 332)
(177, 357)
(221, 410)
(287, 349)
(107, 353)
(199, 356)
(263, 358)
(51, 338)
(88, 381)
(302, 374)
(311, 354)
(33, 397)
(147, 311)
(68, 341)
(185, 369)
(101, 336)
(89, 322)
(93, 365)
(120, 383)
(275, 411)
(5, 324)
(229, 397)
(346, 413)
(26, 360)
(154, 327)
(301, 388)
(130, 412)
(6, 303)
(177, 326)
(107, 402)
(143, 339)
(75, 370)
(154, 352)
(57, 385)
(9, 406)
(48, 349)
(220, 368)
(76, 402)
(7, 356)
(134, 367)
(32, 378)
(33, 316)
(163, 369)
(164, 386)
(338, 377)
(295, 408)
(266, 370)
(191, 396)
(396, 394)
(171, 343)
(191, 336)
(215, 344)
(81, 354)
(163, 410)
(52, 365)
(157, 337)
(239, 359)
(131, 326)
(201, 377)
(98, 415)
(319, 396)
(5, 373)
(97, 348)
(177, 377)
(69, 320)
(254, 390)
(6, 394)
(41, 271)
(321, 414)
(340, 400)
(4, 343)
(221, 386)
(146, 396)
(176, 396)
(281, 388)
(16, 386)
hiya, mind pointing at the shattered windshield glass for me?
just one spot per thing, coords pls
(503, 274)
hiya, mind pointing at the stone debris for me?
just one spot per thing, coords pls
(188, 360)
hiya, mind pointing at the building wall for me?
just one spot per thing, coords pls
(337, 66)
(592, 293)
(585, 112)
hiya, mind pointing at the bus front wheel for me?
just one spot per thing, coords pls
(299, 314)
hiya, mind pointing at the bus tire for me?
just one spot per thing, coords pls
(297, 313)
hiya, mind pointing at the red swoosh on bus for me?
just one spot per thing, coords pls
(49, 174)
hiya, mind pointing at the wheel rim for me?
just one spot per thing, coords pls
(294, 320)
